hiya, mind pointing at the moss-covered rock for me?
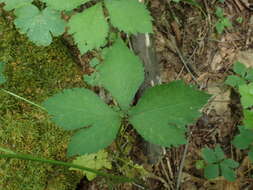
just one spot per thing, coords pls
(34, 73)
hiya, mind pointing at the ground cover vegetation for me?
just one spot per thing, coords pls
(59, 113)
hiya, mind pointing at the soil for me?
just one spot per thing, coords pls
(188, 48)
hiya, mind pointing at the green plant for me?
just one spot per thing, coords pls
(160, 116)
(89, 28)
(242, 82)
(218, 165)
(223, 22)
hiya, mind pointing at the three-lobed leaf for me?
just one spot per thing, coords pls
(163, 111)
(129, 16)
(89, 28)
(121, 73)
(39, 25)
(67, 5)
(78, 108)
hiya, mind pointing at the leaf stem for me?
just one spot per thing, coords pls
(66, 164)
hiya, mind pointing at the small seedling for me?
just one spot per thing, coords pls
(223, 22)
(218, 165)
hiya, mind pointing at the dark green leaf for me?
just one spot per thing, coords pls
(234, 81)
(244, 139)
(209, 155)
(211, 171)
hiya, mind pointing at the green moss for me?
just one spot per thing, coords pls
(34, 73)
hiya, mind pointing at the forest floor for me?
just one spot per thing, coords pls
(185, 36)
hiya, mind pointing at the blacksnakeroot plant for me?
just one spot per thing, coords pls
(160, 116)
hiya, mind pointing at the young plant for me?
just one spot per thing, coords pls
(218, 165)
(223, 22)
(160, 116)
(89, 28)
(243, 83)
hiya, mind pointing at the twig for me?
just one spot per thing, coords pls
(182, 162)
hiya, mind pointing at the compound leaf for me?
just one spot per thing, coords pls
(14, 4)
(163, 111)
(95, 161)
(244, 139)
(129, 16)
(77, 108)
(89, 28)
(246, 92)
(39, 25)
(121, 74)
(2, 77)
(211, 171)
(67, 5)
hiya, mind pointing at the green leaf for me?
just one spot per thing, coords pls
(248, 119)
(246, 92)
(230, 163)
(94, 62)
(2, 77)
(39, 25)
(95, 161)
(209, 155)
(163, 111)
(227, 172)
(200, 164)
(249, 75)
(121, 74)
(211, 171)
(239, 68)
(14, 4)
(89, 28)
(67, 5)
(219, 12)
(219, 27)
(226, 22)
(219, 153)
(129, 16)
(77, 108)
(244, 139)
(234, 81)
(100, 135)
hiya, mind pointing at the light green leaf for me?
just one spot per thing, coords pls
(219, 12)
(78, 108)
(121, 74)
(95, 161)
(234, 81)
(211, 171)
(219, 27)
(239, 68)
(249, 75)
(89, 28)
(246, 92)
(129, 16)
(226, 22)
(209, 155)
(163, 111)
(248, 119)
(66, 5)
(39, 25)
(244, 139)
(14, 4)
(2, 77)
